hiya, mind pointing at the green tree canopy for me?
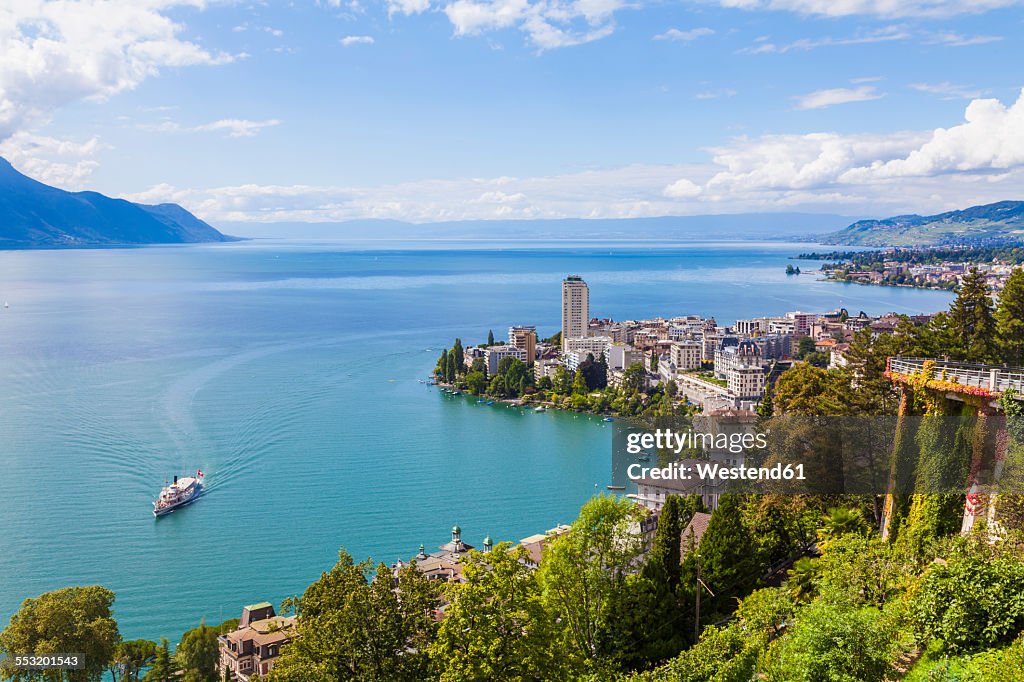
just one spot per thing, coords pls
(495, 625)
(353, 628)
(198, 653)
(582, 571)
(130, 657)
(69, 620)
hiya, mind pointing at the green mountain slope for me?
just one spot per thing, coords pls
(999, 222)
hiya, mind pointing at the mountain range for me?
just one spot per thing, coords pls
(37, 216)
(999, 222)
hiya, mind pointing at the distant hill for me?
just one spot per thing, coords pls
(991, 223)
(37, 216)
(734, 226)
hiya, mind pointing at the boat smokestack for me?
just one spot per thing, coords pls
(175, 479)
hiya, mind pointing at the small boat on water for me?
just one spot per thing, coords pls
(608, 419)
(540, 409)
(615, 487)
(178, 494)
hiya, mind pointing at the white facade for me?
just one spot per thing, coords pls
(622, 356)
(590, 344)
(495, 354)
(575, 309)
(686, 355)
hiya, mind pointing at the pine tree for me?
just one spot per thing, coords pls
(728, 556)
(441, 371)
(490, 337)
(971, 319)
(460, 357)
(163, 669)
(1010, 320)
(451, 367)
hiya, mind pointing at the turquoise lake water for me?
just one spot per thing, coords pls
(287, 372)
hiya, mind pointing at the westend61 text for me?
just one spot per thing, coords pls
(712, 471)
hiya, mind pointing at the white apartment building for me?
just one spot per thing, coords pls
(590, 344)
(620, 356)
(575, 309)
(685, 355)
(493, 355)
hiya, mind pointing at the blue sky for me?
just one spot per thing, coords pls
(442, 109)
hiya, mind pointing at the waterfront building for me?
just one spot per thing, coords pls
(546, 367)
(493, 355)
(535, 543)
(525, 339)
(575, 308)
(250, 650)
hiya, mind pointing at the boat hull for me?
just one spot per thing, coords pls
(164, 511)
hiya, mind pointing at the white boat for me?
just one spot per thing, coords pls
(178, 494)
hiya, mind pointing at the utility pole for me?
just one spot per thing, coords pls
(701, 585)
(696, 625)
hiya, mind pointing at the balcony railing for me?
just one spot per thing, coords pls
(989, 377)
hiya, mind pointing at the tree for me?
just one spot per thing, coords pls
(198, 653)
(804, 347)
(476, 382)
(478, 365)
(517, 376)
(490, 337)
(654, 361)
(451, 369)
(460, 357)
(352, 627)
(634, 378)
(579, 384)
(806, 390)
(1010, 319)
(729, 561)
(130, 658)
(68, 620)
(163, 668)
(562, 382)
(441, 371)
(497, 386)
(971, 320)
(582, 571)
(495, 625)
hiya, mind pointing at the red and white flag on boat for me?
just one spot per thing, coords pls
(199, 473)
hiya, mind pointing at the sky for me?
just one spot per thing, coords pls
(427, 110)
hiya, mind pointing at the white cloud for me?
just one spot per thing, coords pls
(407, 7)
(685, 36)
(548, 24)
(357, 40)
(880, 8)
(715, 94)
(827, 98)
(882, 35)
(954, 39)
(54, 52)
(947, 90)
(63, 163)
(233, 127)
(990, 139)
(683, 189)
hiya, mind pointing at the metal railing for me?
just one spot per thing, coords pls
(990, 377)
